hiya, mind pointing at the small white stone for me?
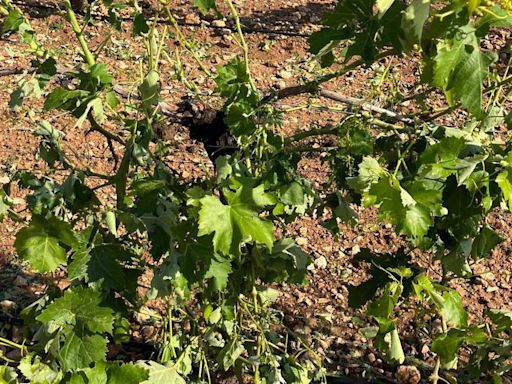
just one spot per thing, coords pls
(281, 84)
(7, 305)
(321, 262)
(219, 23)
(301, 241)
(284, 74)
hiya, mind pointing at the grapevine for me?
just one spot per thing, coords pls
(203, 260)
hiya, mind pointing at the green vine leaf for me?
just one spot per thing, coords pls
(368, 24)
(485, 242)
(447, 301)
(159, 373)
(453, 311)
(384, 5)
(63, 98)
(170, 279)
(140, 25)
(13, 21)
(38, 372)
(370, 171)
(390, 344)
(461, 68)
(8, 375)
(235, 223)
(205, 6)
(502, 319)
(81, 351)
(230, 353)
(97, 374)
(447, 345)
(40, 243)
(504, 180)
(412, 210)
(104, 265)
(5, 205)
(127, 374)
(413, 22)
(79, 307)
(219, 272)
(150, 90)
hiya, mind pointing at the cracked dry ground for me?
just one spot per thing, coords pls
(318, 311)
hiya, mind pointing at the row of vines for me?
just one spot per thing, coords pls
(211, 245)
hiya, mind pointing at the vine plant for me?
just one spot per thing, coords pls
(211, 245)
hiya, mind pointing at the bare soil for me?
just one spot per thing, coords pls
(319, 311)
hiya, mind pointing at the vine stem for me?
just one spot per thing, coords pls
(12, 344)
(313, 85)
(182, 40)
(241, 42)
(365, 105)
(333, 130)
(434, 378)
(171, 334)
(88, 56)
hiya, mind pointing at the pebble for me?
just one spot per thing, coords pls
(192, 18)
(301, 240)
(7, 305)
(148, 331)
(284, 74)
(219, 23)
(281, 84)
(408, 374)
(355, 250)
(321, 262)
(324, 344)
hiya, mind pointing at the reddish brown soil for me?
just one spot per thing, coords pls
(318, 311)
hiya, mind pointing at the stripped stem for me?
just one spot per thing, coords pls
(182, 40)
(88, 56)
(241, 41)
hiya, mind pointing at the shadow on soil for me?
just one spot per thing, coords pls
(286, 19)
(16, 293)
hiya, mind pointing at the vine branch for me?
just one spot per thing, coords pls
(365, 105)
(88, 56)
